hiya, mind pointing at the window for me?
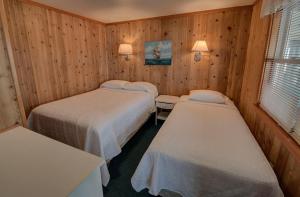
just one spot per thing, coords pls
(280, 93)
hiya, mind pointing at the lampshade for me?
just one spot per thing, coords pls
(125, 49)
(200, 46)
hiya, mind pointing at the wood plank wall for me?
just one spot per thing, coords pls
(57, 55)
(280, 149)
(226, 32)
(9, 108)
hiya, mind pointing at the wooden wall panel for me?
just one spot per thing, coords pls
(226, 32)
(57, 55)
(9, 108)
(282, 151)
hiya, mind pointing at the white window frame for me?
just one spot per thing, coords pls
(280, 54)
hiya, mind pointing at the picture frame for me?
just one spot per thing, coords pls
(158, 53)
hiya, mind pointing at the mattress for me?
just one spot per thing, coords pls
(99, 122)
(205, 150)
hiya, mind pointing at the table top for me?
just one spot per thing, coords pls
(35, 165)
(167, 99)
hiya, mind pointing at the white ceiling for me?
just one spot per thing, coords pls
(109, 11)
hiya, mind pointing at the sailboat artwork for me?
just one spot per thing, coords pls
(158, 53)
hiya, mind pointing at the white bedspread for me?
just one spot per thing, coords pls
(99, 122)
(206, 150)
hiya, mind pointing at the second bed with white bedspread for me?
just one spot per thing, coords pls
(99, 122)
(206, 149)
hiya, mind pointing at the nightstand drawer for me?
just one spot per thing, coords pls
(165, 105)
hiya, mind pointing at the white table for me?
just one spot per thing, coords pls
(164, 105)
(34, 165)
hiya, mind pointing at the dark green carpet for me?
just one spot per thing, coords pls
(123, 166)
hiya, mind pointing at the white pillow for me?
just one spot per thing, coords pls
(207, 96)
(142, 86)
(114, 84)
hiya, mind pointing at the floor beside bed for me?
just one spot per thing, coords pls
(124, 165)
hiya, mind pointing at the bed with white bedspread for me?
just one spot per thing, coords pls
(99, 122)
(206, 149)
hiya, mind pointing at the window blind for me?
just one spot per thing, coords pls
(280, 93)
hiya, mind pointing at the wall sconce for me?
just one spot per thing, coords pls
(199, 46)
(125, 50)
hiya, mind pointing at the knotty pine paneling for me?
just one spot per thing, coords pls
(9, 108)
(282, 152)
(226, 32)
(56, 55)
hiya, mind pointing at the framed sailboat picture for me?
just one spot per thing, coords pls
(158, 52)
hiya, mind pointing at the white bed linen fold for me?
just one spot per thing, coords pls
(206, 149)
(99, 122)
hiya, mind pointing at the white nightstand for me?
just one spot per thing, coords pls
(164, 105)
